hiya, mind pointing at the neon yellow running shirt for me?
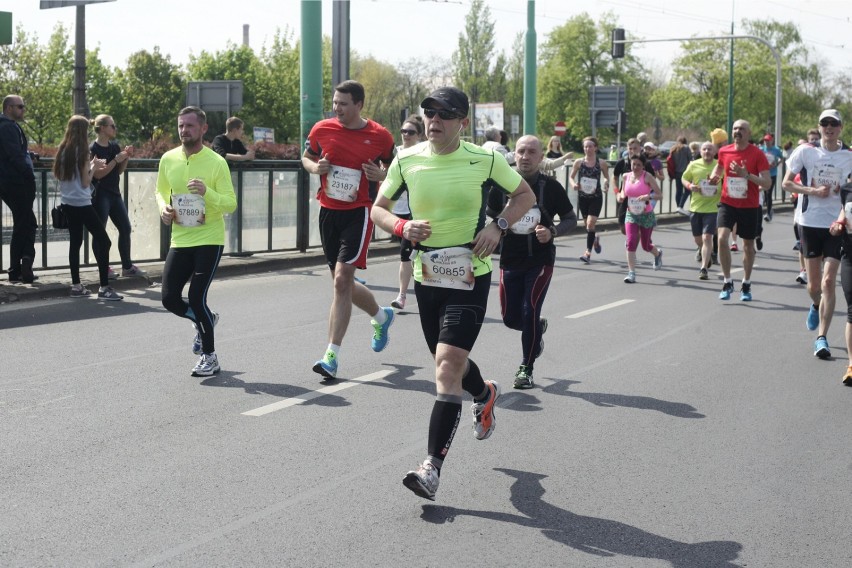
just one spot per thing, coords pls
(449, 191)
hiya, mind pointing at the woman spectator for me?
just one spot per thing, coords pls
(74, 169)
(586, 180)
(639, 189)
(554, 148)
(412, 132)
(107, 200)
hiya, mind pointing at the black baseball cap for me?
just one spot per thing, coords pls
(448, 98)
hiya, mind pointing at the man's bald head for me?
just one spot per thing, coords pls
(529, 152)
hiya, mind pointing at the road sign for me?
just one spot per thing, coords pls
(45, 4)
(224, 96)
(559, 129)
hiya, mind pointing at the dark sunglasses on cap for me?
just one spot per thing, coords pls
(444, 114)
(407, 132)
(829, 122)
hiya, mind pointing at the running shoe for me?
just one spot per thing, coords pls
(399, 303)
(327, 366)
(813, 318)
(745, 292)
(734, 248)
(597, 246)
(702, 274)
(111, 274)
(207, 366)
(658, 260)
(821, 349)
(586, 258)
(542, 322)
(727, 288)
(847, 378)
(196, 343)
(483, 412)
(524, 378)
(107, 293)
(79, 291)
(798, 245)
(424, 481)
(802, 278)
(630, 278)
(360, 281)
(133, 271)
(759, 243)
(380, 335)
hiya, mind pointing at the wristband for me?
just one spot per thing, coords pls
(399, 226)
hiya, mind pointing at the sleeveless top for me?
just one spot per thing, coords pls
(594, 173)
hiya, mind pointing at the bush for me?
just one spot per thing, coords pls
(272, 151)
(154, 148)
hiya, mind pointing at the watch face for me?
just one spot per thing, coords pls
(502, 223)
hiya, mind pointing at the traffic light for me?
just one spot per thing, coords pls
(617, 48)
(623, 120)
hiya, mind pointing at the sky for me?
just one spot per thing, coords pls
(400, 30)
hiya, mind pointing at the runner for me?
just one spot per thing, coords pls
(704, 203)
(586, 180)
(452, 267)
(640, 189)
(194, 190)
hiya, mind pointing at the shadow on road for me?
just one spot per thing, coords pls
(609, 400)
(592, 535)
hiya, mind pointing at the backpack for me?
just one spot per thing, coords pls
(670, 165)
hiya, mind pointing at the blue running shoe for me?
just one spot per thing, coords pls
(327, 366)
(380, 335)
(821, 349)
(813, 318)
(727, 288)
(745, 292)
(597, 247)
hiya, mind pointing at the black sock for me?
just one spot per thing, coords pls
(443, 424)
(473, 383)
(590, 240)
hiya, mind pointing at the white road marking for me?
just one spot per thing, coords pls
(288, 402)
(599, 309)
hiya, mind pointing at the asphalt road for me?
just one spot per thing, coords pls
(667, 429)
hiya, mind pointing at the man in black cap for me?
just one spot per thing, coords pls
(17, 189)
(452, 268)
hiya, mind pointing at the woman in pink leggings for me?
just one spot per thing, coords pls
(641, 191)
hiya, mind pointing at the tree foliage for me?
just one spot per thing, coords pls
(154, 88)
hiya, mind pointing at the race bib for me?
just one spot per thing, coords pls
(189, 209)
(343, 183)
(588, 185)
(707, 188)
(527, 224)
(448, 268)
(828, 176)
(848, 208)
(636, 206)
(737, 187)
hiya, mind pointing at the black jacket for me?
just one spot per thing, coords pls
(16, 166)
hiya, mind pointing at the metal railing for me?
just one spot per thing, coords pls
(276, 211)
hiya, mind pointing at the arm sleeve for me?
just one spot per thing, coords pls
(221, 194)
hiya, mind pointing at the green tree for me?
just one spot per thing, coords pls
(472, 60)
(153, 90)
(103, 91)
(43, 76)
(574, 58)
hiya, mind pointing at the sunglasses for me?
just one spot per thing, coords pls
(407, 132)
(444, 114)
(829, 122)
(19, 106)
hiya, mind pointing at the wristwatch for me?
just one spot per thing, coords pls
(503, 224)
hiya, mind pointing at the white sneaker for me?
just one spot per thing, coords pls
(208, 365)
(399, 303)
(424, 481)
(802, 278)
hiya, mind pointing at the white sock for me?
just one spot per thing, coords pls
(333, 348)
(380, 317)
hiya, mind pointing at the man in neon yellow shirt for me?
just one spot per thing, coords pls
(194, 190)
(448, 182)
(704, 205)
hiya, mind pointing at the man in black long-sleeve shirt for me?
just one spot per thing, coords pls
(17, 189)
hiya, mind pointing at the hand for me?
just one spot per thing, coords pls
(128, 150)
(97, 165)
(195, 185)
(417, 231)
(486, 240)
(837, 227)
(323, 165)
(821, 191)
(373, 172)
(249, 155)
(167, 215)
(543, 234)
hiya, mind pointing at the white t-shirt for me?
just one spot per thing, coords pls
(824, 168)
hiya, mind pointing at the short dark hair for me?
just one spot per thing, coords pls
(202, 116)
(353, 88)
(233, 123)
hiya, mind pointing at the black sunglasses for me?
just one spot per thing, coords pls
(444, 114)
(829, 122)
(407, 132)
